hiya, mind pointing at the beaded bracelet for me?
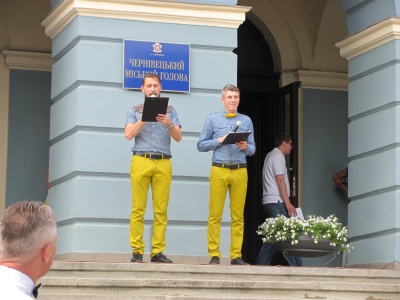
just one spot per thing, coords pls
(170, 127)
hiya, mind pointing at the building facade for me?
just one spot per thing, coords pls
(62, 109)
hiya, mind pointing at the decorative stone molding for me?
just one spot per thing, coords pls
(145, 10)
(370, 38)
(28, 60)
(317, 80)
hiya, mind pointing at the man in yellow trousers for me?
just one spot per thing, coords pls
(228, 171)
(151, 164)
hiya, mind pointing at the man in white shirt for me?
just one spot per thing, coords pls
(276, 191)
(28, 236)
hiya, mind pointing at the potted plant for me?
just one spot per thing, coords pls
(327, 232)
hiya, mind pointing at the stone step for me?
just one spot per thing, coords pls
(99, 280)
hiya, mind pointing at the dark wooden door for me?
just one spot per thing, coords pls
(272, 112)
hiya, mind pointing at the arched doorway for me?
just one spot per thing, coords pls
(262, 101)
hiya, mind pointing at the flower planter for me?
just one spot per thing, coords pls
(281, 231)
(306, 247)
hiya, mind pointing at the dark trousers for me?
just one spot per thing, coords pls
(267, 251)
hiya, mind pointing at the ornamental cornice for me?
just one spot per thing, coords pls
(317, 80)
(370, 38)
(23, 60)
(145, 10)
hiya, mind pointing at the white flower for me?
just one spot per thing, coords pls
(282, 228)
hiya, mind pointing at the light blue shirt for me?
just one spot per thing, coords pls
(217, 125)
(154, 136)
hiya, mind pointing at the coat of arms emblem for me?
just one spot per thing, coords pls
(157, 48)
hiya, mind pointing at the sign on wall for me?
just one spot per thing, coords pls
(169, 61)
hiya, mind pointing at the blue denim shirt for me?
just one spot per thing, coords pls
(217, 125)
(154, 136)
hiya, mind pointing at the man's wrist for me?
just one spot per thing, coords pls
(170, 127)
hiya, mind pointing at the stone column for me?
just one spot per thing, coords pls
(374, 137)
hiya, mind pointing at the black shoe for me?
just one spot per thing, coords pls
(137, 257)
(214, 260)
(238, 261)
(160, 258)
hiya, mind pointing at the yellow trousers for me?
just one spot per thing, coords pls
(220, 181)
(158, 173)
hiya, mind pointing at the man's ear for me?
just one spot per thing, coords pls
(46, 253)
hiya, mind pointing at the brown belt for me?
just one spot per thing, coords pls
(229, 166)
(152, 155)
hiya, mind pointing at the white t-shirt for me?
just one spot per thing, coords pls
(15, 285)
(274, 164)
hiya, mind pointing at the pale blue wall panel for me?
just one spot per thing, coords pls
(102, 237)
(383, 216)
(378, 249)
(88, 61)
(117, 30)
(94, 197)
(100, 61)
(65, 72)
(85, 151)
(98, 106)
(376, 58)
(195, 107)
(383, 163)
(363, 14)
(66, 238)
(187, 161)
(63, 114)
(89, 237)
(62, 158)
(187, 201)
(386, 90)
(192, 240)
(62, 199)
(325, 152)
(102, 152)
(188, 239)
(374, 131)
(212, 69)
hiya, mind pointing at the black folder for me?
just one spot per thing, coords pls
(154, 106)
(234, 137)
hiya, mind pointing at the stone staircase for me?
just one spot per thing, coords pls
(151, 281)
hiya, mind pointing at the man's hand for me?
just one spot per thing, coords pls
(163, 119)
(242, 145)
(221, 139)
(291, 210)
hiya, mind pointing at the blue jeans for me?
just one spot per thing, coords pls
(267, 251)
